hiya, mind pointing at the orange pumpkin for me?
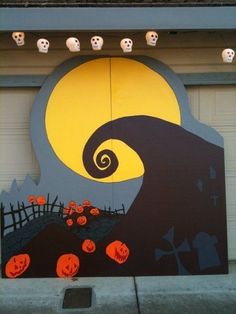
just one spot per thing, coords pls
(69, 222)
(17, 265)
(67, 265)
(82, 220)
(118, 251)
(79, 209)
(66, 211)
(86, 203)
(72, 204)
(41, 200)
(88, 246)
(95, 211)
(31, 198)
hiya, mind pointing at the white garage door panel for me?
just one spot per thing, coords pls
(215, 106)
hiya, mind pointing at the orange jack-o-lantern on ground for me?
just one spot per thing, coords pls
(88, 246)
(17, 265)
(67, 265)
(79, 209)
(118, 251)
(41, 200)
(81, 220)
(69, 222)
(86, 203)
(95, 211)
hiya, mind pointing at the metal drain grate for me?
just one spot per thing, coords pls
(76, 298)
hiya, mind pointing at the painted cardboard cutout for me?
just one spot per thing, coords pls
(124, 164)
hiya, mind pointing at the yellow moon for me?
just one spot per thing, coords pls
(97, 92)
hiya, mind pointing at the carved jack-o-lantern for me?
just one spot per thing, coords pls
(88, 246)
(31, 199)
(86, 203)
(69, 222)
(72, 204)
(41, 200)
(67, 265)
(82, 220)
(118, 251)
(95, 211)
(79, 209)
(17, 265)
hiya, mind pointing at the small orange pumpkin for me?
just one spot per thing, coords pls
(31, 199)
(118, 251)
(41, 200)
(17, 265)
(86, 203)
(95, 211)
(66, 211)
(82, 220)
(88, 246)
(72, 204)
(69, 222)
(67, 265)
(79, 209)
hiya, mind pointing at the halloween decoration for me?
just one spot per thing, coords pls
(126, 44)
(79, 209)
(88, 246)
(72, 204)
(19, 38)
(17, 265)
(31, 199)
(151, 38)
(81, 220)
(43, 45)
(73, 44)
(86, 203)
(97, 42)
(228, 55)
(67, 266)
(94, 211)
(40, 200)
(118, 251)
(69, 222)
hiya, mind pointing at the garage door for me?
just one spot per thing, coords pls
(216, 106)
(171, 209)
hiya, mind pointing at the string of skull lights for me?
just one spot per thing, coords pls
(126, 44)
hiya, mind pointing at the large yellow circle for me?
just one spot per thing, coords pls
(97, 92)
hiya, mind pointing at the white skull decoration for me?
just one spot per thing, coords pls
(43, 45)
(19, 38)
(126, 44)
(73, 44)
(97, 42)
(228, 55)
(151, 38)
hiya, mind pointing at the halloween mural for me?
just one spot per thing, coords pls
(130, 183)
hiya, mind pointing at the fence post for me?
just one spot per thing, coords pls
(2, 220)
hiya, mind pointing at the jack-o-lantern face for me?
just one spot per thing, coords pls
(69, 222)
(31, 199)
(41, 200)
(79, 209)
(17, 265)
(118, 251)
(86, 203)
(95, 211)
(82, 220)
(72, 204)
(88, 246)
(67, 265)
